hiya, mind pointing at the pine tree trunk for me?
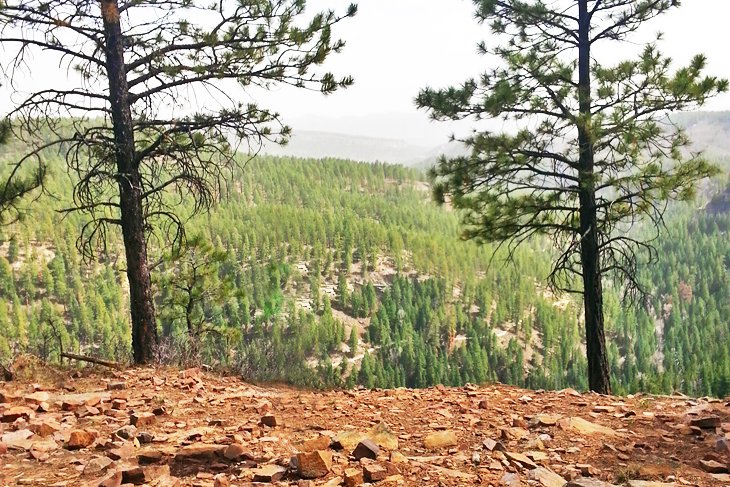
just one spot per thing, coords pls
(598, 375)
(144, 328)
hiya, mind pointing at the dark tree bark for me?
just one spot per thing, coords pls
(144, 328)
(127, 151)
(598, 376)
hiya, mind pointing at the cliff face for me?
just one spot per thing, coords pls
(167, 427)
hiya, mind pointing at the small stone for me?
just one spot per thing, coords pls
(145, 437)
(119, 404)
(586, 427)
(318, 443)
(441, 439)
(149, 457)
(37, 398)
(397, 457)
(269, 473)
(127, 432)
(587, 470)
(46, 428)
(97, 465)
(144, 475)
(353, 477)
(236, 452)
(547, 420)
(15, 413)
(141, 419)
(122, 453)
(520, 459)
(113, 480)
(476, 458)
(373, 472)
(546, 477)
(116, 386)
(604, 409)
(366, 449)
(510, 480)
(200, 452)
(269, 420)
(313, 465)
(221, 480)
(711, 466)
(80, 439)
(189, 373)
(585, 482)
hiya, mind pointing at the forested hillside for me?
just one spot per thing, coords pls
(327, 273)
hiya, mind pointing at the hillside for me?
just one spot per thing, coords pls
(195, 429)
(341, 273)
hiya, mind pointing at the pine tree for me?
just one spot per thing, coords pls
(128, 150)
(589, 156)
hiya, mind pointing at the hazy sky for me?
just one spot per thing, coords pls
(396, 47)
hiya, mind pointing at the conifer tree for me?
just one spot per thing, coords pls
(595, 150)
(153, 115)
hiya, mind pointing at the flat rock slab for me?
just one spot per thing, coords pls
(585, 427)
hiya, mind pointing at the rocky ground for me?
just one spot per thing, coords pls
(169, 427)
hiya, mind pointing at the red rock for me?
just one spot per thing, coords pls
(520, 459)
(269, 420)
(313, 465)
(189, 373)
(353, 477)
(119, 404)
(3, 448)
(37, 398)
(113, 480)
(373, 472)
(122, 453)
(144, 475)
(141, 419)
(269, 473)
(80, 439)
(319, 443)
(84, 411)
(116, 386)
(15, 413)
(199, 451)
(711, 466)
(46, 428)
(366, 449)
(236, 452)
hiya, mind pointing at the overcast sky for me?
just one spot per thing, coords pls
(397, 47)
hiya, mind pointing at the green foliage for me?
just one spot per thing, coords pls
(446, 317)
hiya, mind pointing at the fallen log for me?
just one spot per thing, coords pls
(92, 360)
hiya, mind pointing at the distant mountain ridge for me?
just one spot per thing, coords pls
(709, 132)
(318, 145)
